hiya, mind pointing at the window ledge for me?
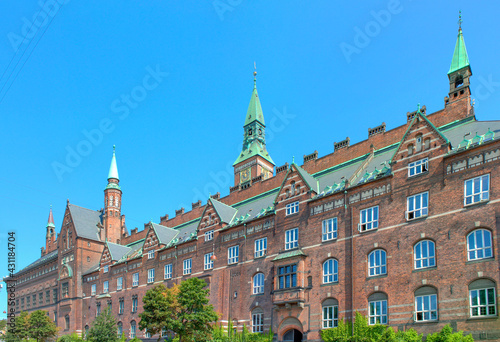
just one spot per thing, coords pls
(329, 241)
(475, 204)
(420, 218)
(426, 322)
(475, 261)
(330, 284)
(257, 294)
(290, 215)
(481, 318)
(260, 257)
(367, 231)
(423, 269)
(418, 175)
(377, 276)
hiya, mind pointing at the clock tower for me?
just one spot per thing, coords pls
(254, 160)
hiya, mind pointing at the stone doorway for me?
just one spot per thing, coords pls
(292, 335)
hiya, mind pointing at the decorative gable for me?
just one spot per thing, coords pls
(151, 240)
(297, 183)
(106, 256)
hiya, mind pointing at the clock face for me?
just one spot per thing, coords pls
(245, 175)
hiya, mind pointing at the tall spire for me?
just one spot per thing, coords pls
(254, 112)
(113, 169)
(460, 58)
(50, 222)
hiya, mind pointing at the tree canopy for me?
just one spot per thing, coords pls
(103, 328)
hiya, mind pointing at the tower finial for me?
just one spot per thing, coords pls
(418, 108)
(254, 74)
(460, 20)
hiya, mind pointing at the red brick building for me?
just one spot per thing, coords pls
(401, 227)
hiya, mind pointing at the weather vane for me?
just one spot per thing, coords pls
(460, 20)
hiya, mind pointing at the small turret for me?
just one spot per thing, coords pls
(112, 204)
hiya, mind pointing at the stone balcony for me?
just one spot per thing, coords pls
(295, 296)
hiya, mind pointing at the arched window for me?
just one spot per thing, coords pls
(293, 187)
(330, 309)
(377, 308)
(377, 263)
(479, 244)
(426, 304)
(410, 149)
(419, 143)
(86, 331)
(120, 329)
(330, 271)
(424, 254)
(258, 283)
(482, 298)
(133, 328)
(66, 321)
(258, 320)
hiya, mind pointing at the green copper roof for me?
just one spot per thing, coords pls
(113, 169)
(254, 112)
(255, 149)
(460, 59)
(290, 254)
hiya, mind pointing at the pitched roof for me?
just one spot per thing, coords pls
(46, 258)
(113, 168)
(255, 149)
(164, 234)
(117, 251)
(254, 112)
(225, 212)
(310, 180)
(85, 221)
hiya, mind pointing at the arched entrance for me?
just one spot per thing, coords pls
(292, 335)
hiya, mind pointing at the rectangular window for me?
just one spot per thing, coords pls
(287, 276)
(134, 303)
(64, 291)
(209, 262)
(151, 275)
(477, 190)
(40, 298)
(292, 238)
(209, 235)
(482, 302)
(292, 208)
(233, 254)
(330, 316)
(418, 167)
(368, 219)
(105, 287)
(98, 309)
(168, 271)
(151, 254)
(378, 312)
(47, 297)
(187, 264)
(260, 247)
(121, 306)
(135, 279)
(93, 289)
(426, 308)
(258, 323)
(54, 295)
(329, 229)
(119, 283)
(417, 206)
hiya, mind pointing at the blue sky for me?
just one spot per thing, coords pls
(168, 83)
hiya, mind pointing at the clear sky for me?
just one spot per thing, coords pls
(169, 82)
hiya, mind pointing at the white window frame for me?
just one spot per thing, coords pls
(151, 275)
(105, 269)
(93, 289)
(426, 300)
(105, 287)
(119, 283)
(330, 271)
(167, 271)
(329, 229)
(481, 305)
(121, 306)
(292, 208)
(187, 266)
(330, 316)
(233, 254)
(135, 279)
(377, 312)
(258, 283)
(151, 254)
(260, 247)
(209, 236)
(368, 219)
(481, 248)
(135, 303)
(133, 329)
(418, 167)
(417, 206)
(476, 195)
(377, 263)
(258, 322)
(424, 255)
(291, 238)
(209, 263)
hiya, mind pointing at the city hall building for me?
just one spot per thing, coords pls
(402, 227)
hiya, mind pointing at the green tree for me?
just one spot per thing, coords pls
(70, 338)
(20, 332)
(40, 326)
(182, 309)
(447, 335)
(103, 328)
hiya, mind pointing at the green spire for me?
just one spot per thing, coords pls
(460, 59)
(254, 112)
(113, 169)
